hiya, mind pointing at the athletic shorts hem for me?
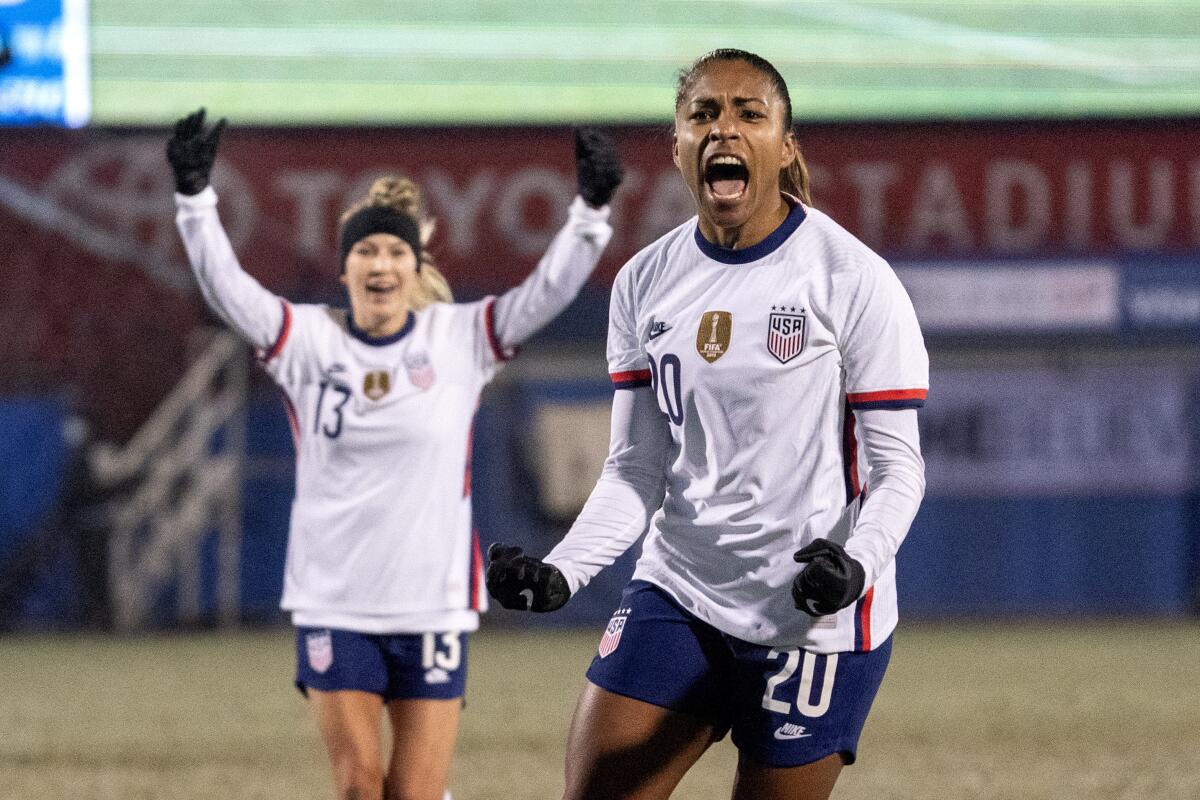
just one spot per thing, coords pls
(768, 758)
(719, 728)
(303, 689)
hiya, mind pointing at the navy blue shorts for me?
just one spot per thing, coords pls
(785, 707)
(404, 666)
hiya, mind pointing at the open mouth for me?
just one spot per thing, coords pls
(726, 176)
(380, 289)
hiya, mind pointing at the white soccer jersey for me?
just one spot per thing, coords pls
(383, 437)
(381, 538)
(756, 358)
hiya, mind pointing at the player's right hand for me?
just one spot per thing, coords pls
(598, 168)
(524, 583)
(831, 580)
(191, 151)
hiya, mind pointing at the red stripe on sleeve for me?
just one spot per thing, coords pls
(633, 377)
(891, 394)
(489, 324)
(865, 618)
(284, 330)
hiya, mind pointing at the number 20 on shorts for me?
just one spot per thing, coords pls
(804, 701)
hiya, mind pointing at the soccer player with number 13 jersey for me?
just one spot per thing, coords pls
(383, 572)
(768, 367)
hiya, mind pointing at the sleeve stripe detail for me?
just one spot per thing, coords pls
(630, 380)
(890, 394)
(284, 330)
(886, 405)
(489, 324)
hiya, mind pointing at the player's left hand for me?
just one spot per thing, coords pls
(597, 166)
(523, 583)
(831, 580)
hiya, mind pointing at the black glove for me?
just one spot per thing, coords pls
(524, 583)
(192, 151)
(597, 166)
(831, 581)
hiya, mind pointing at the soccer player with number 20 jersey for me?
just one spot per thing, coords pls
(383, 572)
(768, 367)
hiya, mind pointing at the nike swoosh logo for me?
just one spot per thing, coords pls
(659, 330)
(528, 595)
(812, 606)
(781, 736)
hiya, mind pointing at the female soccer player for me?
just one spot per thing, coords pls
(383, 572)
(768, 367)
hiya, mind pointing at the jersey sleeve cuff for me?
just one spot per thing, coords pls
(579, 209)
(205, 198)
(887, 399)
(285, 330)
(630, 379)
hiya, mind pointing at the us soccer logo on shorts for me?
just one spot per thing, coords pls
(420, 370)
(612, 634)
(785, 333)
(319, 646)
(713, 335)
(377, 383)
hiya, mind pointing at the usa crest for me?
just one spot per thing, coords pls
(377, 383)
(319, 646)
(612, 634)
(420, 370)
(785, 333)
(713, 335)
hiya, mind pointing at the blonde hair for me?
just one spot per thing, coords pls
(402, 196)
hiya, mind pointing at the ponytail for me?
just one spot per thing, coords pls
(793, 179)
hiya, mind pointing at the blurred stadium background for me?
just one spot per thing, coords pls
(1032, 169)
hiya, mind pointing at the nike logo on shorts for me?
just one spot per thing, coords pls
(789, 730)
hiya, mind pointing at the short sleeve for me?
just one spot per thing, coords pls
(290, 358)
(628, 366)
(882, 349)
(270, 354)
(493, 353)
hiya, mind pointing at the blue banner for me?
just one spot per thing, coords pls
(44, 63)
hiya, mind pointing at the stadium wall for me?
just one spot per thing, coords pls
(1078, 240)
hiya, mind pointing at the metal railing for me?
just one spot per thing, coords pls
(184, 467)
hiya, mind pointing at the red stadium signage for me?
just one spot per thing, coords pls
(980, 190)
(92, 255)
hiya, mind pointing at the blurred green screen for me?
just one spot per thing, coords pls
(356, 62)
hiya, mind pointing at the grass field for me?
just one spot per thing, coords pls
(467, 61)
(1093, 711)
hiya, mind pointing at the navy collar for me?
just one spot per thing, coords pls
(747, 254)
(380, 341)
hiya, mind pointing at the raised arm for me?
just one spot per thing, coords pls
(250, 310)
(560, 274)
